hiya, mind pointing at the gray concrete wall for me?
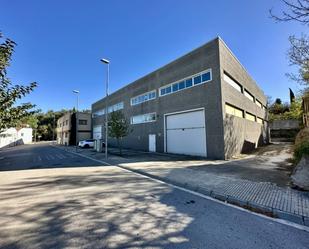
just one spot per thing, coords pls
(84, 116)
(207, 96)
(284, 124)
(240, 134)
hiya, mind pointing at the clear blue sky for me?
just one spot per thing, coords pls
(60, 42)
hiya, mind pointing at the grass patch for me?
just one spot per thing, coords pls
(301, 145)
(300, 150)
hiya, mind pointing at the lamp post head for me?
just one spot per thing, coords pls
(75, 91)
(104, 61)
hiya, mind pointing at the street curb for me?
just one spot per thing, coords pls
(274, 213)
(254, 207)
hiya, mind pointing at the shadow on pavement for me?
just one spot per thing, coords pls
(109, 208)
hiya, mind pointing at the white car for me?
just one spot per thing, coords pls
(89, 143)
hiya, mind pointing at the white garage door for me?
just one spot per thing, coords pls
(97, 132)
(185, 133)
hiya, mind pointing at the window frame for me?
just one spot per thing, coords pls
(258, 103)
(259, 119)
(234, 108)
(226, 74)
(101, 112)
(80, 121)
(145, 122)
(144, 94)
(249, 95)
(250, 114)
(191, 77)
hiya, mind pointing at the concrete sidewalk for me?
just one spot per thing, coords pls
(264, 197)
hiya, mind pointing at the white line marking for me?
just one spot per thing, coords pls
(284, 222)
(59, 156)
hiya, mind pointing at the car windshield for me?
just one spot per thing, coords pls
(89, 140)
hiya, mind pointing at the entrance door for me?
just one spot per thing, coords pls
(152, 142)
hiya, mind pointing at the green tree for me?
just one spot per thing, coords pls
(279, 111)
(10, 113)
(29, 121)
(49, 121)
(118, 127)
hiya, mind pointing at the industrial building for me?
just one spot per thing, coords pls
(203, 103)
(66, 127)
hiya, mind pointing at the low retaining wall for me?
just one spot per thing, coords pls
(284, 130)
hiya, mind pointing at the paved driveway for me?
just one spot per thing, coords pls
(270, 163)
(107, 207)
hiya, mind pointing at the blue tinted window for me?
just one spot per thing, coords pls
(206, 76)
(189, 82)
(162, 91)
(168, 89)
(197, 80)
(181, 85)
(175, 87)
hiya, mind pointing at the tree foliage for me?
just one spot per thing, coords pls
(294, 10)
(299, 57)
(118, 127)
(297, 10)
(281, 111)
(10, 113)
(43, 123)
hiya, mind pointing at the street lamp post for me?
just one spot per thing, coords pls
(76, 117)
(54, 128)
(106, 105)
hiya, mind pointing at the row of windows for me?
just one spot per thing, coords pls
(143, 118)
(194, 80)
(63, 123)
(232, 110)
(80, 121)
(112, 108)
(143, 97)
(197, 79)
(228, 79)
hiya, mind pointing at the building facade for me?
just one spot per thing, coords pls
(15, 136)
(66, 128)
(204, 104)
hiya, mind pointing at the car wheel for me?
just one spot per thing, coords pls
(86, 146)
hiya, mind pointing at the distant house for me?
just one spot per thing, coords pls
(14, 136)
(66, 128)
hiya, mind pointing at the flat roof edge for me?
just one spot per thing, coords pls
(243, 67)
(160, 68)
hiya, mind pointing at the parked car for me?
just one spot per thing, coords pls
(89, 143)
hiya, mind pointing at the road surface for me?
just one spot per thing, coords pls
(50, 198)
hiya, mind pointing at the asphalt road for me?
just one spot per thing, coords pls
(39, 156)
(66, 201)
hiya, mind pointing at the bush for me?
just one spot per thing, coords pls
(300, 150)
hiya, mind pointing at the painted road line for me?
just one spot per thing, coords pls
(280, 221)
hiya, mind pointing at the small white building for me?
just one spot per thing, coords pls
(13, 137)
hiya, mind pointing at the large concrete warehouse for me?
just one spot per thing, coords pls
(204, 103)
